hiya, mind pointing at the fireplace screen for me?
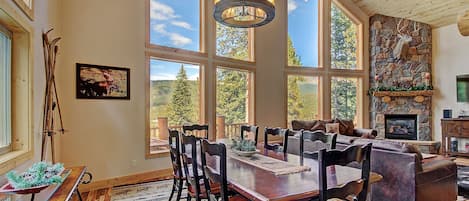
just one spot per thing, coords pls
(401, 127)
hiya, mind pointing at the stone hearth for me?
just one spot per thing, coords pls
(410, 68)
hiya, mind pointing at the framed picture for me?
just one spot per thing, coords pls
(102, 82)
(27, 6)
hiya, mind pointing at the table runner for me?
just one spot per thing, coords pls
(277, 167)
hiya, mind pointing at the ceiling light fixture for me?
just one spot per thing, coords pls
(244, 13)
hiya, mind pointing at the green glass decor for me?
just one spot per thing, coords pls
(38, 174)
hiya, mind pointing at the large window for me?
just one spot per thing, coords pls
(303, 97)
(335, 90)
(233, 100)
(174, 99)
(344, 40)
(175, 23)
(5, 90)
(303, 38)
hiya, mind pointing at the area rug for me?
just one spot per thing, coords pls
(152, 191)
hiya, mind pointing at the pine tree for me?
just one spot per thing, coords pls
(295, 103)
(181, 108)
(343, 56)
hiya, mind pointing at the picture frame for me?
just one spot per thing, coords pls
(102, 82)
(27, 6)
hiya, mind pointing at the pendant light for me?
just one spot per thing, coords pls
(244, 13)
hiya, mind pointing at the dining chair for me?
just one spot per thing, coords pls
(328, 141)
(245, 129)
(175, 154)
(216, 153)
(196, 130)
(355, 190)
(276, 132)
(191, 169)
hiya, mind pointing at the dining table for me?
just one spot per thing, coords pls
(263, 184)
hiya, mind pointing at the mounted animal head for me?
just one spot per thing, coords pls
(404, 35)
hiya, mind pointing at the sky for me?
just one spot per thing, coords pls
(175, 23)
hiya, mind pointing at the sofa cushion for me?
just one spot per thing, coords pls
(345, 126)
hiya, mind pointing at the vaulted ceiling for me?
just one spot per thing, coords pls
(437, 13)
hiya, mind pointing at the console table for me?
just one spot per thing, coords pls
(457, 128)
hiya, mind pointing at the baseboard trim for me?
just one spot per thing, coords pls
(129, 179)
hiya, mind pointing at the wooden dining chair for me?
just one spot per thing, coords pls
(194, 177)
(329, 140)
(216, 152)
(175, 154)
(355, 190)
(245, 129)
(200, 131)
(276, 132)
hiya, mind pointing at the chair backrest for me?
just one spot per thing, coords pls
(175, 152)
(328, 139)
(358, 188)
(276, 132)
(200, 131)
(252, 129)
(189, 160)
(216, 152)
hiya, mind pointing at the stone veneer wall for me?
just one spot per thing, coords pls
(407, 71)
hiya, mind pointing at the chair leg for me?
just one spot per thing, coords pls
(172, 190)
(189, 197)
(180, 183)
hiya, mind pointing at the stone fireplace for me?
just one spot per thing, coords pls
(400, 68)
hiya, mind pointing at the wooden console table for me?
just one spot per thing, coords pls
(64, 191)
(454, 128)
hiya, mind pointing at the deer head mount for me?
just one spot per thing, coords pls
(404, 37)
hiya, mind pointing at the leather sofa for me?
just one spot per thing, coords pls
(405, 176)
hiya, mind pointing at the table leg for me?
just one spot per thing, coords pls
(32, 196)
(79, 195)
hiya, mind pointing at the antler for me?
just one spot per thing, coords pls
(404, 25)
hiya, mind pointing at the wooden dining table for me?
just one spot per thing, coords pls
(259, 184)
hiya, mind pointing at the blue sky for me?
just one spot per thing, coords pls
(175, 23)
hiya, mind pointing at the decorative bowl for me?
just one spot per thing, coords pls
(244, 153)
(8, 188)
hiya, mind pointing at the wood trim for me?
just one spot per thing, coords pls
(174, 50)
(234, 66)
(29, 11)
(403, 93)
(127, 180)
(231, 60)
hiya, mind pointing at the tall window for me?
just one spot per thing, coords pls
(175, 23)
(344, 33)
(235, 43)
(233, 100)
(303, 23)
(303, 97)
(174, 99)
(5, 90)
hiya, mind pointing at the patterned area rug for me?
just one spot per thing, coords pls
(152, 191)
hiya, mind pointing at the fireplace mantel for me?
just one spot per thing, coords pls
(403, 93)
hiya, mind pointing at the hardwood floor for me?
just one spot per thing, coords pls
(96, 195)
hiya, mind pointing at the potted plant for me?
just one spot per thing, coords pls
(244, 147)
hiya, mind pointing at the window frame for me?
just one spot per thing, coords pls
(325, 72)
(8, 134)
(22, 74)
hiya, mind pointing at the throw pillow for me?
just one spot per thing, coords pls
(346, 127)
(332, 128)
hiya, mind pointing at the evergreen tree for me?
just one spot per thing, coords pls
(295, 103)
(232, 84)
(343, 56)
(181, 108)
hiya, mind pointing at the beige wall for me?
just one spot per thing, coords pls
(450, 59)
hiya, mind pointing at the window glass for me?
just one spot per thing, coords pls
(343, 40)
(5, 89)
(234, 42)
(303, 97)
(174, 99)
(344, 98)
(303, 23)
(233, 93)
(175, 23)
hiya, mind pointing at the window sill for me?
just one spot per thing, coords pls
(13, 159)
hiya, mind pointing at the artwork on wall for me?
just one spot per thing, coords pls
(102, 82)
(27, 6)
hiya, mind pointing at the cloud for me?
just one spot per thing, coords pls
(292, 6)
(160, 11)
(179, 40)
(163, 76)
(160, 28)
(182, 24)
(190, 66)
